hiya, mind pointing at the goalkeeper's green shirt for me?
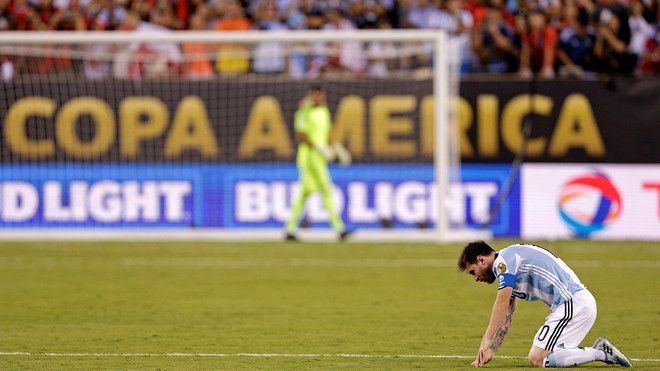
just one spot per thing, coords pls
(315, 122)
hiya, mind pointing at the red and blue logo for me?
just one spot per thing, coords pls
(588, 203)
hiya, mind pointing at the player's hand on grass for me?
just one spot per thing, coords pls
(484, 356)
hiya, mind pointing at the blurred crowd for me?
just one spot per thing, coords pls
(548, 37)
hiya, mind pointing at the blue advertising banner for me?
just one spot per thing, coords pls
(245, 196)
(371, 196)
(100, 196)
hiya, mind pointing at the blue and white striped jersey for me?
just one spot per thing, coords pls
(535, 274)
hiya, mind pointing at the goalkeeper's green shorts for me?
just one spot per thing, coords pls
(314, 174)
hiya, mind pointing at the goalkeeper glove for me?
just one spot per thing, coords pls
(326, 151)
(343, 156)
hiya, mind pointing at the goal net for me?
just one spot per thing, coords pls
(193, 131)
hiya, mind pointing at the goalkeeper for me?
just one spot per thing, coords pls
(312, 126)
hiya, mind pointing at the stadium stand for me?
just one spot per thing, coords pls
(552, 37)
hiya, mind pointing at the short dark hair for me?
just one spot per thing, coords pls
(316, 88)
(470, 253)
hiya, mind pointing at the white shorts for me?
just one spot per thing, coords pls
(568, 323)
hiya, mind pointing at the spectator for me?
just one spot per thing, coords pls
(538, 47)
(421, 14)
(383, 11)
(295, 19)
(318, 60)
(313, 14)
(233, 58)
(458, 23)
(576, 42)
(142, 8)
(493, 42)
(58, 58)
(146, 60)
(7, 20)
(109, 13)
(206, 12)
(368, 13)
(381, 54)
(6, 23)
(68, 20)
(163, 15)
(611, 45)
(477, 9)
(97, 65)
(347, 55)
(45, 10)
(26, 17)
(358, 16)
(123, 65)
(293, 15)
(640, 29)
(454, 19)
(552, 9)
(269, 57)
(651, 58)
(196, 55)
(184, 10)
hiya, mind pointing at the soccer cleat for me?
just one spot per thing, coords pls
(613, 355)
(291, 237)
(344, 235)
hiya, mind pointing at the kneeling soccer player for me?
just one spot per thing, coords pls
(531, 272)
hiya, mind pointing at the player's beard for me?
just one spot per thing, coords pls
(490, 277)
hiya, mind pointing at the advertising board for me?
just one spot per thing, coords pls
(591, 201)
(245, 196)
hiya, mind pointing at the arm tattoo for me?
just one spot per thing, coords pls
(501, 332)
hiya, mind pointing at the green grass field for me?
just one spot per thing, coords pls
(132, 305)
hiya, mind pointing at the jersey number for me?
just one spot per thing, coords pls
(544, 332)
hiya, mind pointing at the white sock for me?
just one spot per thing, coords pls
(573, 357)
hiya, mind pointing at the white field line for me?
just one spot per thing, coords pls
(270, 355)
(324, 235)
(238, 263)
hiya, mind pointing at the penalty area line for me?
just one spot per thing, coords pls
(270, 355)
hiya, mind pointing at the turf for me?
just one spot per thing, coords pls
(277, 298)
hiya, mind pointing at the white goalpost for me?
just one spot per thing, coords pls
(154, 135)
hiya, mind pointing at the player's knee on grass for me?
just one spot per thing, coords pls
(535, 361)
(536, 356)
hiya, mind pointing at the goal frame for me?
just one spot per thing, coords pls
(441, 94)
